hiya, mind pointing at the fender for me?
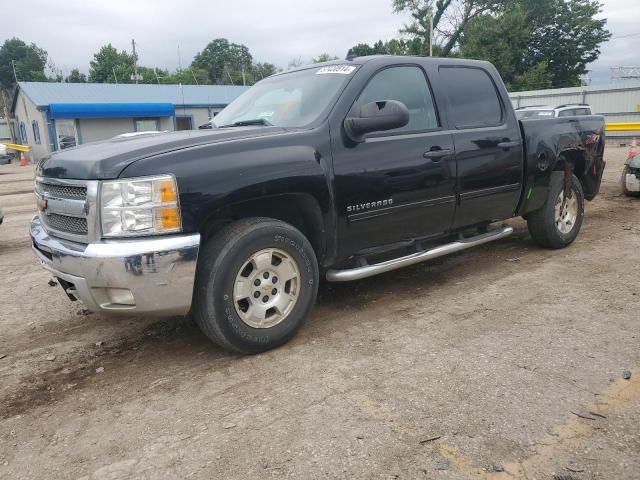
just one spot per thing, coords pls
(214, 179)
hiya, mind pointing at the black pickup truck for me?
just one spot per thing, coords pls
(343, 170)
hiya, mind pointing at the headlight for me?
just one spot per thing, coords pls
(143, 206)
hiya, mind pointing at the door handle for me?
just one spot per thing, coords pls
(436, 155)
(515, 143)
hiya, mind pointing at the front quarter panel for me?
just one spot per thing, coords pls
(212, 177)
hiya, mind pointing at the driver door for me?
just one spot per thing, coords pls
(396, 185)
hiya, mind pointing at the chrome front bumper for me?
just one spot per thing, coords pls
(159, 272)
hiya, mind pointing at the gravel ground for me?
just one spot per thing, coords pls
(501, 362)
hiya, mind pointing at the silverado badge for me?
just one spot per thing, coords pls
(361, 207)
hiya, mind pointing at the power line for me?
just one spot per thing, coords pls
(625, 36)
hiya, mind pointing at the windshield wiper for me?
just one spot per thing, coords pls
(245, 123)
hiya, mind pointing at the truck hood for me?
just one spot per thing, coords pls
(107, 159)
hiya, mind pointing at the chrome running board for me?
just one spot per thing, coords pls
(418, 257)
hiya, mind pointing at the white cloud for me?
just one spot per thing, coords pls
(275, 31)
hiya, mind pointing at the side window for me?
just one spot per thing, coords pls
(472, 96)
(407, 85)
(36, 131)
(567, 113)
(23, 133)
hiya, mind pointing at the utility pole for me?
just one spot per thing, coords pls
(431, 36)
(114, 74)
(13, 64)
(244, 80)
(135, 61)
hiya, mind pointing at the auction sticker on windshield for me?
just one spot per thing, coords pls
(341, 69)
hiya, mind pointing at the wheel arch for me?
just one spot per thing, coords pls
(301, 210)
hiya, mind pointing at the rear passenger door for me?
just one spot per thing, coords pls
(487, 145)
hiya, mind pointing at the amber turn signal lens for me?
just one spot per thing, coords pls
(169, 218)
(167, 191)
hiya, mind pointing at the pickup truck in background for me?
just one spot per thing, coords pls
(343, 170)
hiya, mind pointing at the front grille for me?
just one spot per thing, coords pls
(63, 191)
(65, 206)
(63, 223)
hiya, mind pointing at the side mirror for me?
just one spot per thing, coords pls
(376, 117)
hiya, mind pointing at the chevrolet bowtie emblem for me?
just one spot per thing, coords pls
(42, 204)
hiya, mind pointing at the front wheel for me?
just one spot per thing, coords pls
(257, 280)
(558, 222)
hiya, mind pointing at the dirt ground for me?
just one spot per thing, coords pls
(501, 362)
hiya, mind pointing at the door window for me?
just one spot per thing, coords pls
(473, 97)
(407, 85)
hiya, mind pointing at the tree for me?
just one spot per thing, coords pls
(567, 37)
(111, 66)
(188, 76)
(536, 78)
(324, 57)
(295, 62)
(29, 62)
(224, 62)
(413, 46)
(76, 77)
(538, 43)
(450, 18)
(263, 70)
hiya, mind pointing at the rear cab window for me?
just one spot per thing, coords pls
(473, 98)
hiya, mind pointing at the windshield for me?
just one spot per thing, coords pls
(293, 99)
(534, 113)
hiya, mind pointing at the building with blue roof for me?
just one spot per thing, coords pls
(55, 116)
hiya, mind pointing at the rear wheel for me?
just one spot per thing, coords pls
(558, 222)
(257, 280)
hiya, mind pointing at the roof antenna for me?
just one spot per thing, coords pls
(350, 55)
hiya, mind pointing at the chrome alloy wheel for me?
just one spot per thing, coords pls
(266, 288)
(566, 213)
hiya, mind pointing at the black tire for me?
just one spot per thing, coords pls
(628, 193)
(542, 223)
(221, 260)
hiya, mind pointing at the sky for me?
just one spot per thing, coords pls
(276, 31)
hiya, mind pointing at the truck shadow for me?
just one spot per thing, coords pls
(173, 346)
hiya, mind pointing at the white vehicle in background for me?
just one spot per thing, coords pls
(545, 111)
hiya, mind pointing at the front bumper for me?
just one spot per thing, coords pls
(158, 272)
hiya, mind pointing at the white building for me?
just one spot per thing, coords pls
(54, 116)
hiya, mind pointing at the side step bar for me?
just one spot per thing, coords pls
(418, 257)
